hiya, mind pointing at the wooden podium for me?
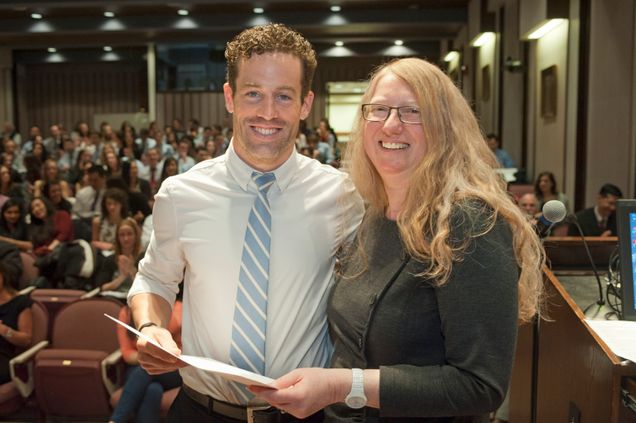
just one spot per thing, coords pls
(563, 372)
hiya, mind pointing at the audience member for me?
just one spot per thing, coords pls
(545, 190)
(49, 227)
(152, 171)
(185, 160)
(599, 220)
(51, 174)
(13, 228)
(52, 191)
(170, 168)
(16, 322)
(89, 198)
(138, 204)
(130, 175)
(503, 158)
(114, 210)
(529, 204)
(141, 395)
(8, 187)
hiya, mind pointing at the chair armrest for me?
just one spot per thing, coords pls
(25, 387)
(26, 290)
(113, 359)
(90, 294)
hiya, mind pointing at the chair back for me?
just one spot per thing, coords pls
(40, 316)
(82, 325)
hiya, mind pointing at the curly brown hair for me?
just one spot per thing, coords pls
(268, 39)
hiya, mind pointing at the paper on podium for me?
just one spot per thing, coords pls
(619, 335)
(209, 365)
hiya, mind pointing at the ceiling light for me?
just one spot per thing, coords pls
(544, 28)
(109, 14)
(399, 42)
(51, 50)
(335, 8)
(183, 12)
(482, 39)
(339, 43)
(259, 10)
(108, 48)
(451, 56)
(36, 15)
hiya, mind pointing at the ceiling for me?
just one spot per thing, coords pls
(365, 27)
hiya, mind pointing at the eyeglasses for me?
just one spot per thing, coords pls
(380, 113)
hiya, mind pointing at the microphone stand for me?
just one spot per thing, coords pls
(601, 301)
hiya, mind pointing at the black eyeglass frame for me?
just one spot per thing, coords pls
(399, 112)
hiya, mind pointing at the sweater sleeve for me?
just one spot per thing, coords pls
(478, 316)
(63, 226)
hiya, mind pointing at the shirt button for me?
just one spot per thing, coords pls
(360, 342)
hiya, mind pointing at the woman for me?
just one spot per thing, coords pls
(52, 191)
(9, 188)
(114, 210)
(546, 189)
(13, 229)
(16, 322)
(48, 228)
(444, 269)
(51, 173)
(142, 392)
(79, 174)
(170, 168)
(118, 270)
(130, 175)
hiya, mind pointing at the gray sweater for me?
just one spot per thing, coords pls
(444, 353)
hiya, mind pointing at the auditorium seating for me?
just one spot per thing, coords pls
(77, 375)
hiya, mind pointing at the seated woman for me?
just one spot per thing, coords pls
(170, 168)
(8, 187)
(13, 228)
(16, 324)
(546, 189)
(117, 271)
(51, 173)
(52, 191)
(130, 175)
(141, 395)
(114, 210)
(48, 228)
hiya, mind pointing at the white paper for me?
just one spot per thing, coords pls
(208, 364)
(619, 335)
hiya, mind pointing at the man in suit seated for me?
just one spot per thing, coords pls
(599, 220)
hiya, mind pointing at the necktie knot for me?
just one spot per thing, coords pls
(263, 181)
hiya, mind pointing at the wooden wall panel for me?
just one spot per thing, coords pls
(68, 93)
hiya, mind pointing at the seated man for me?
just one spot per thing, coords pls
(599, 220)
(504, 159)
(529, 204)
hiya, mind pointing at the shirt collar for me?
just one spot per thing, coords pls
(242, 172)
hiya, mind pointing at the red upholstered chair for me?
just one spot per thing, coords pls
(29, 270)
(13, 394)
(77, 375)
(55, 299)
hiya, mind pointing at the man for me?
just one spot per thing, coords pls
(89, 199)
(211, 229)
(504, 159)
(529, 204)
(152, 172)
(54, 142)
(599, 220)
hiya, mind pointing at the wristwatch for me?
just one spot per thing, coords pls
(9, 333)
(356, 398)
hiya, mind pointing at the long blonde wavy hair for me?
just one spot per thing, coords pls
(457, 168)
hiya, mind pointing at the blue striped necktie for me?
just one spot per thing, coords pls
(247, 350)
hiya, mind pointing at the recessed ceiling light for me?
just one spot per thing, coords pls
(259, 10)
(36, 15)
(51, 50)
(183, 12)
(335, 8)
(109, 14)
(399, 42)
(339, 43)
(108, 48)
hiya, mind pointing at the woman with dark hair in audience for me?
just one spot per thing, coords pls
(170, 168)
(8, 187)
(545, 188)
(112, 163)
(114, 210)
(13, 228)
(40, 152)
(48, 228)
(16, 322)
(78, 175)
(130, 175)
(52, 191)
(33, 167)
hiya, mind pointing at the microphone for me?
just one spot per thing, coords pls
(552, 213)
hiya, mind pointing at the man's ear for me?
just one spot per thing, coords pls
(306, 106)
(229, 100)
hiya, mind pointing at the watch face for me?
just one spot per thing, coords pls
(356, 402)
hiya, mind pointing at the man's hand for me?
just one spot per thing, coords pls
(153, 359)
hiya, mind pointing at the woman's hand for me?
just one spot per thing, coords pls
(302, 392)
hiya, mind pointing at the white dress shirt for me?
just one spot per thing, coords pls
(200, 219)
